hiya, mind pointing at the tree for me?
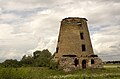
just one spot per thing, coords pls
(42, 58)
(36, 54)
(10, 63)
(27, 61)
(39, 59)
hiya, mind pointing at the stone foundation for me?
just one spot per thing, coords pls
(74, 63)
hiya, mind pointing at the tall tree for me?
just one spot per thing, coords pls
(27, 61)
(42, 58)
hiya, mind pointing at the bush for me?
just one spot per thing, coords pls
(53, 64)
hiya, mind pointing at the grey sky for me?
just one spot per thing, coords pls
(29, 25)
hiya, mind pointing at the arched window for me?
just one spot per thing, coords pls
(83, 64)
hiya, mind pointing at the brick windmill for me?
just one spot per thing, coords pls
(74, 49)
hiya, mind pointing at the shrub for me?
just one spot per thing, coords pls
(53, 64)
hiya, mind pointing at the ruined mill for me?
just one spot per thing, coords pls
(74, 49)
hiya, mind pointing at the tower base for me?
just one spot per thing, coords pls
(70, 63)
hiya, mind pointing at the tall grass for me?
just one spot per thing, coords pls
(46, 73)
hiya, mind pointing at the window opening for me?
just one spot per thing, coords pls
(83, 47)
(81, 36)
(92, 61)
(76, 62)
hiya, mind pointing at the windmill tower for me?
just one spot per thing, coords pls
(74, 48)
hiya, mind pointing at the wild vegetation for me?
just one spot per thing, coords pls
(46, 73)
(40, 66)
(39, 59)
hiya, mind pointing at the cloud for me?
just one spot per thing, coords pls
(12, 54)
(29, 25)
(106, 42)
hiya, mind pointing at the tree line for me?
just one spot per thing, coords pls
(39, 59)
(111, 62)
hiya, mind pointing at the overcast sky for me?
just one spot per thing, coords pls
(29, 25)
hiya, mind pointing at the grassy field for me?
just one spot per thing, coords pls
(46, 73)
(112, 66)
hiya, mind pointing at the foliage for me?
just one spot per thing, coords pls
(111, 62)
(39, 59)
(27, 61)
(53, 64)
(10, 63)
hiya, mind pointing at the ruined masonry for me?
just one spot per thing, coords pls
(74, 49)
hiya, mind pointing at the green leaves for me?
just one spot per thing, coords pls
(10, 63)
(39, 59)
(42, 58)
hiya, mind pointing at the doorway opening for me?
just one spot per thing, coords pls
(84, 64)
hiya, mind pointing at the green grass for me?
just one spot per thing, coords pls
(46, 73)
(112, 66)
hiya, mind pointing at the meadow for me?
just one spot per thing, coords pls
(46, 73)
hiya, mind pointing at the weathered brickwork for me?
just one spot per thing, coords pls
(74, 49)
